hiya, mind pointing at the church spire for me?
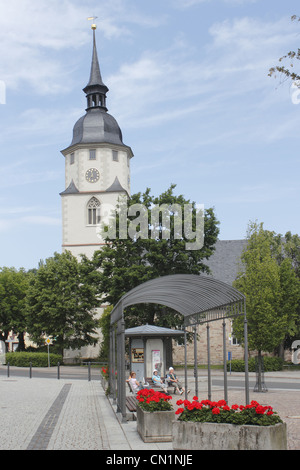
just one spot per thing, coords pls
(95, 89)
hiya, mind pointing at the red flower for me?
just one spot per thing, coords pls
(235, 407)
(179, 411)
(222, 403)
(195, 398)
(216, 411)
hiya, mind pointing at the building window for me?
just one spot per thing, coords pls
(232, 339)
(93, 211)
(72, 158)
(115, 156)
(92, 154)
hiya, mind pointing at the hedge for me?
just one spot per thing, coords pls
(270, 364)
(23, 359)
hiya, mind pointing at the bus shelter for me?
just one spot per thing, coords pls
(200, 299)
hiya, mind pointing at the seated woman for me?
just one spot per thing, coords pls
(134, 383)
(158, 381)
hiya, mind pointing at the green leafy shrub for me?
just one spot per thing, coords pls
(23, 359)
(270, 364)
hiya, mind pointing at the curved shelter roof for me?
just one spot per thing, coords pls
(198, 298)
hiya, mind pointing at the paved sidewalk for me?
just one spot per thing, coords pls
(53, 414)
(40, 414)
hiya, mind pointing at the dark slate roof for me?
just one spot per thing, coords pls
(151, 330)
(116, 186)
(71, 189)
(95, 75)
(225, 263)
(97, 126)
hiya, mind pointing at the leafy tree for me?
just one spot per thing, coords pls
(60, 302)
(271, 289)
(127, 262)
(291, 250)
(104, 323)
(260, 283)
(290, 290)
(13, 288)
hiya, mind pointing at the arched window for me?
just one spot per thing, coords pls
(93, 211)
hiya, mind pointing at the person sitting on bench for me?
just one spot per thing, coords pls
(158, 381)
(134, 383)
(174, 382)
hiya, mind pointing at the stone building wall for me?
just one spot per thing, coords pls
(216, 345)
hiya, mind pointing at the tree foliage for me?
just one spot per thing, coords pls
(13, 288)
(61, 302)
(125, 263)
(272, 289)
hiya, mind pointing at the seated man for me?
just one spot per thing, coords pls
(174, 382)
(158, 381)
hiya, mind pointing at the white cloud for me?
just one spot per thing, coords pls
(38, 39)
(178, 81)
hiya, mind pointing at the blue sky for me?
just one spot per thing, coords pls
(189, 87)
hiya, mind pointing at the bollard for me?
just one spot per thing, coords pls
(89, 371)
(30, 370)
(58, 371)
(8, 369)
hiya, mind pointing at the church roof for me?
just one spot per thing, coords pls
(116, 186)
(71, 189)
(95, 74)
(96, 126)
(225, 262)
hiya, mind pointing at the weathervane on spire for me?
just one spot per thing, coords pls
(91, 18)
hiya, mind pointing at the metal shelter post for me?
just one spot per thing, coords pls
(225, 362)
(121, 379)
(195, 361)
(208, 364)
(246, 356)
(185, 363)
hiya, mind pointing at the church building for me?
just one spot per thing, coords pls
(97, 174)
(97, 168)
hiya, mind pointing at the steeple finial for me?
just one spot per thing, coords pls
(91, 18)
(95, 89)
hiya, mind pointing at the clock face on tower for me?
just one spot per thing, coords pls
(92, 175)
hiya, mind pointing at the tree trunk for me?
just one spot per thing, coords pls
(21, 345)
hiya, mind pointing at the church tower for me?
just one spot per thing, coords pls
(97, 168)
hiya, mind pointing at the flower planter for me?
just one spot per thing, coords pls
(155, 426)
(189, 435)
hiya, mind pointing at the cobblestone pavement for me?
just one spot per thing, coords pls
(76, 415)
